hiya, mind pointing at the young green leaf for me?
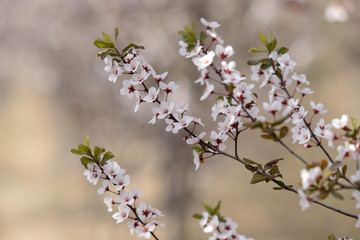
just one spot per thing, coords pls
(101, 44)
(75, 151)
(208, 208)
(263, 38)
(107, 38)
(257, 178)
(84, 150)
(197, 216)
(217, 208)
(107, 156)
(97, 152)
(116, 34)
(282, 50)
(85, 160)
(253, 49)
(271, 45)
(87, 142)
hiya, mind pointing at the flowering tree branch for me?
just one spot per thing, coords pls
(236, 109)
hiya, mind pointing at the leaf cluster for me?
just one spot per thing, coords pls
(212, 212)
(189, 36)
(97, 156)
(270, 45)
(110, 49)
(270, 171)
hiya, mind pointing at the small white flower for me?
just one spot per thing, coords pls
(169, 88)
(207, 91)
(304, 202)
(310, 176)
(224, 52)
(104, 187)
(318, 108)
(204, 61)
(356, 196)
(321, 127)
(209, 25)
(212, 225)
(109, 203)
(300, 78)
(272, 108)
(357, 224)
(340, 123)
(196, 159)
(152, 95)
(286, 62)
(122, 214)
(92, 173)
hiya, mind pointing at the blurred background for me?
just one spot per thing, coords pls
(54, 93)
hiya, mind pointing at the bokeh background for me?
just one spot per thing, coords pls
(54, 93)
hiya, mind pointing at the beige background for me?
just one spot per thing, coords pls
(53, 93)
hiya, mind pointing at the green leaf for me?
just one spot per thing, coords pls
(271, 45)
(116, 33)
(257, 178)
(281, 185)
(107, 156)
(337, 195)
(75, 151)
(331, 237)
(254, 62)
(188, 30)
(217, 208)
(274, 170)
(266, 64)
(323, 194)
(97, 152)
(84, 150)
(250, 161)
(131, 45)
(263, 38)
(87, 142)
(85, 160)
(253, 49)
(344, 169)
(282, 50)
(202, 36)
(194, 28)
(190, 39)
(325, 176)
(107, 38)
(208, 208)
(268, 137)
(197, 216)
(183, 34)
(101, 44)
(283, 132)
(270, 164)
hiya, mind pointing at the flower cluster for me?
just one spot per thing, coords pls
(236, 109)
(143, 219)
(219, 227)
(140, 90)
